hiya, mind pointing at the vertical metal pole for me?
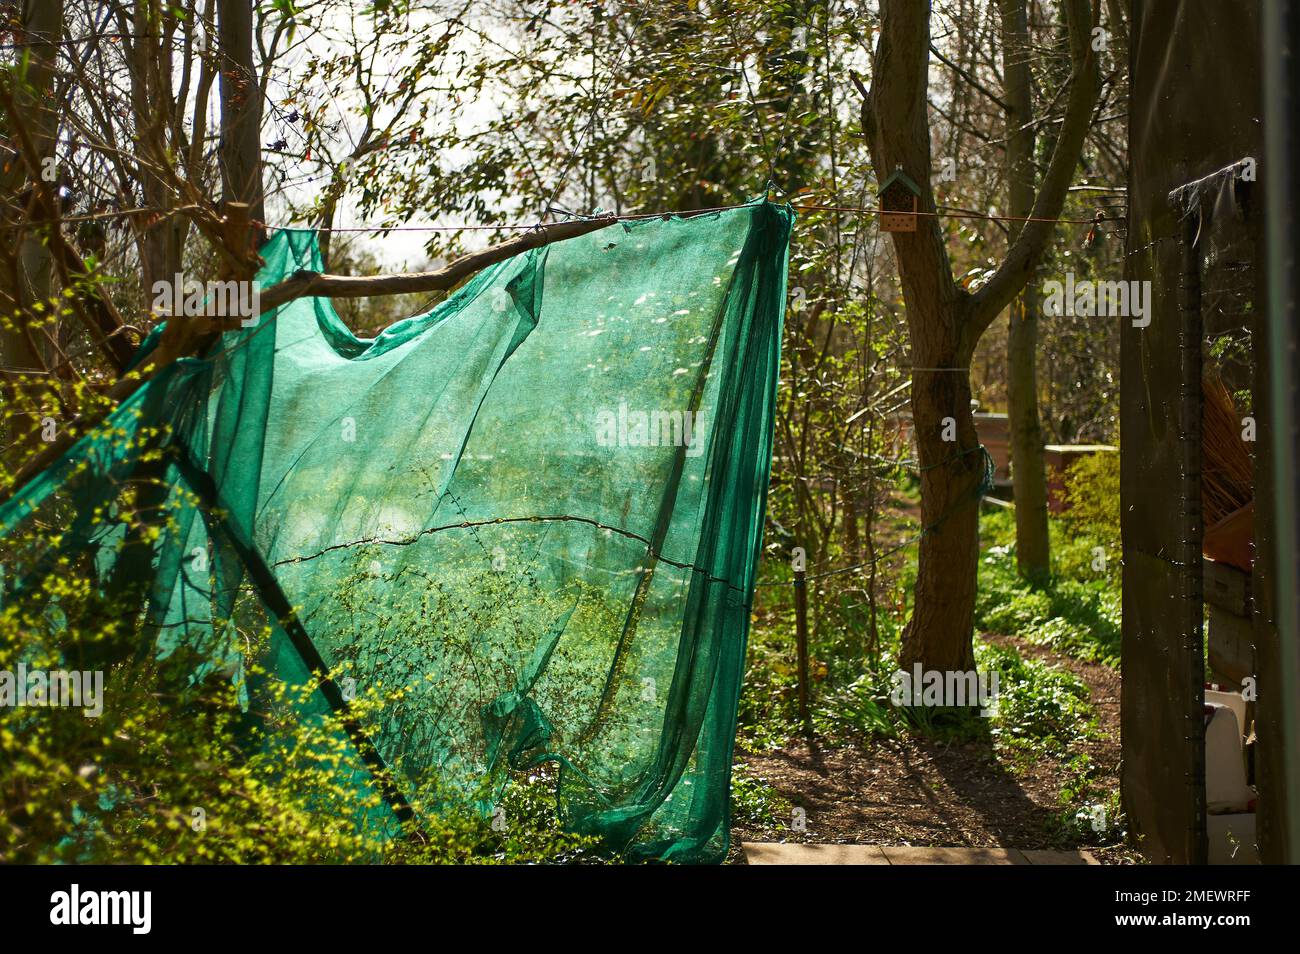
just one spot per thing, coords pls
(801, 639)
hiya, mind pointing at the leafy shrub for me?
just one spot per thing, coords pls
(1092, 489)
(768, 713)
(168, 774)
(191, 762)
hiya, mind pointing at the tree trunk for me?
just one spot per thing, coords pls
(241, 108)
(895, 123)
(939, 633)
(852, 542)
(1033, 555)
(159, 240)
(945, 321)
(42, 28)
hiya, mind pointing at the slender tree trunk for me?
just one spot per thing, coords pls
(42, 27)
(241, 108)
(1033, 554)
(1033, 557)
(159, 241)
(852, 542)
(325, 221)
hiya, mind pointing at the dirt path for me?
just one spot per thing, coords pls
(916, 791)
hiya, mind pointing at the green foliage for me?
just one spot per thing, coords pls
(1040, 708)
(862, 709)
(1092, 490)
(523, 827)
(1004, 604)
(176, 771)
(850, 677)
(1077, 611)
(754, 802)
(768, 711)
(160, 776)
(1089, 816)
(1044, 706)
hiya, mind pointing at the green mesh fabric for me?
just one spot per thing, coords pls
(527, 521)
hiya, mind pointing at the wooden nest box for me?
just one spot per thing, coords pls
(898, 197)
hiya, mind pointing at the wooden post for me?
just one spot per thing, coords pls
(801, 639)
(1191, 412)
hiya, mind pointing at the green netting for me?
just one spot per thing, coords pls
(527, 521)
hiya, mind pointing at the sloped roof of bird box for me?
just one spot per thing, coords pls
(898, 175)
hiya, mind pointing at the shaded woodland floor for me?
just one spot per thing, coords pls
(919, 791)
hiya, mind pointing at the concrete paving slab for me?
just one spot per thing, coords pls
(916, 855)
(1042, 857)
(780, 853)
(771, 853)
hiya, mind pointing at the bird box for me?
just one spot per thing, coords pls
(898, 197)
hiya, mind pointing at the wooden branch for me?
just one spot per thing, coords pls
(1023, 256)
(304, 284)
(102, 320)
(101, 317)
(980, 87)
(299, 285)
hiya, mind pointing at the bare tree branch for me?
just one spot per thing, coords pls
(1025, 252)
(315, 284)
(968, 77)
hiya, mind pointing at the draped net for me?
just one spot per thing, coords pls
(525, 524)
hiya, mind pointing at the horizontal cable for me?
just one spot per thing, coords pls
(529, 226)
